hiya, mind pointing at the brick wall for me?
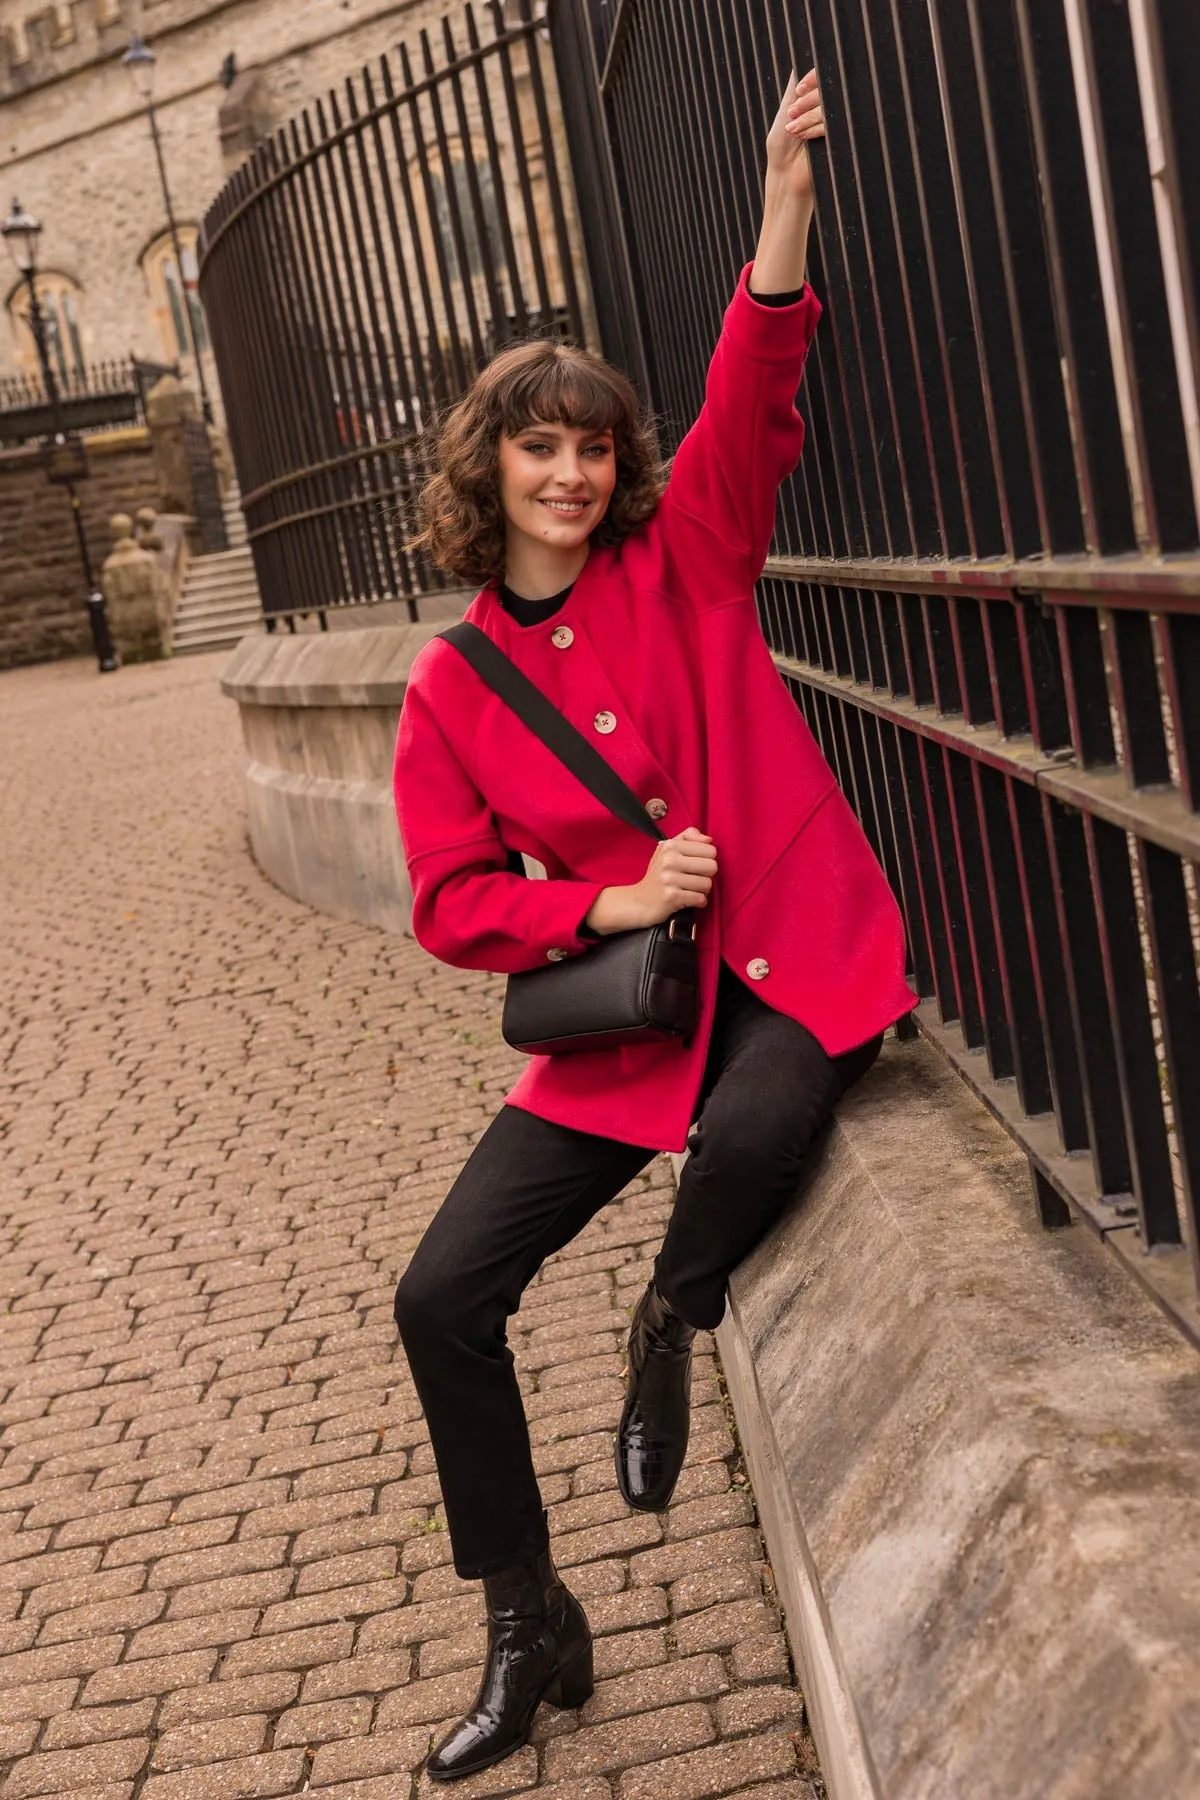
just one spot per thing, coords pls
(42, 611)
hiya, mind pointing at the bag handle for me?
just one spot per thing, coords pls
(546, 722)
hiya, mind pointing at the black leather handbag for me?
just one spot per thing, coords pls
(633, 987)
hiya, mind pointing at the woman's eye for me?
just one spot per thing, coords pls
(598, 450)
(536, 449)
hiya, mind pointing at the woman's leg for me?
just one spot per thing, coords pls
(527, 1189)
(769, 1088)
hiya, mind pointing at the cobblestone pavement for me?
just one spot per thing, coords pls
(224, 1121)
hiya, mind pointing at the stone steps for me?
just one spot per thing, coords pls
(220, 602)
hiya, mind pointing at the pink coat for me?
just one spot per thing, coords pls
(662, 633)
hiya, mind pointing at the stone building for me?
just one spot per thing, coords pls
(75, 145)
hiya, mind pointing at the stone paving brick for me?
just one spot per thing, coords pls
(720, 1627)
(710, 1772)
(18, 1740)
(243, 1778)
(371, 1673)
(289, 1650)
(738, 1714)
(383, 1753)
(210, 1740)
(155, 1675)
(760, 1658)
(328, 1719)
(95, 1724)
(229, 1699)
(516, 1775)
(224, 1123)
(693, 1678)
(780, 1790)
(626, 1742)
(708, 1587)
(66, 1771)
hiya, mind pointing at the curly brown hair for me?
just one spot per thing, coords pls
(462, 524)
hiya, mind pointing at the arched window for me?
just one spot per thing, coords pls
(59, 304)
(169, 294)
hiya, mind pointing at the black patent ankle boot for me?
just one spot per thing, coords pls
(652, 1437)
(539, 1648)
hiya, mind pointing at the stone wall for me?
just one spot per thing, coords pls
(42, 611)
(75, 144)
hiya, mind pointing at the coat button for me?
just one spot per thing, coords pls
(604, 722)
(562, 637)
(758, 969)
(557, 955)
(657, 809)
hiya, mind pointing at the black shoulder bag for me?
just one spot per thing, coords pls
(633, 987)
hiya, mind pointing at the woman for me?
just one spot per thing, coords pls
(632, 608)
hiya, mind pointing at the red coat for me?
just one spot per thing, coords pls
(663, 634)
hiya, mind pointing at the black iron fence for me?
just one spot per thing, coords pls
(985, 589)
(359, 269)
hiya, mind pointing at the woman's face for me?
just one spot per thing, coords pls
(556, 482)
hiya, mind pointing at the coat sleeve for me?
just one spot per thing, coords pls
(717, 516)
(468, 909)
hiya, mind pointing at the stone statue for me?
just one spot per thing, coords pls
(135, 592)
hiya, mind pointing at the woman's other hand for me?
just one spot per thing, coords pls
(679, 874)
(799, 120)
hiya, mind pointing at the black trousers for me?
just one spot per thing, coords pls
(529, 1187)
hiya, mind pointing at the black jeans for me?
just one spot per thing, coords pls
(529, 1187)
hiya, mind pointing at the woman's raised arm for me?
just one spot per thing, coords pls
(717, 515)
(788, 196)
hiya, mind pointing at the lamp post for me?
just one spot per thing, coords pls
(140, 60)
(20, 232)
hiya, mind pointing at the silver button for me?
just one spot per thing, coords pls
(562, 637)
(557, 955)
(758, 969)
(657, 809)
(605, 722)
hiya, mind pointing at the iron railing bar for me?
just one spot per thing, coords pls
(347, 503)
(499, 184)
(876, 442)
(433, 225)
(1133, 1034)
(1119, 580)
(980, 484)
(1075, 276)
(562, 236)
(502, 48)
(616, 37)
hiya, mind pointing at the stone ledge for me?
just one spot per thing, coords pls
(975, 1451)
(368, 667)
(318, 715)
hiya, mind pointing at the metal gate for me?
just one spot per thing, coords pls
(985, 589)
(359, 269)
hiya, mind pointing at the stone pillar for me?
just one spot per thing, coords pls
(135, 594)
(168, 404)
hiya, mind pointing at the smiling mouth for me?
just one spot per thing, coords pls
(569, 509)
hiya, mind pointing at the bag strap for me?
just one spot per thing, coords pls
(546, 722)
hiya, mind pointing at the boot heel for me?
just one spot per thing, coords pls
(574, 1683)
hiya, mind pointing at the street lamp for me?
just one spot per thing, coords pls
(21, 232)
(140, 60)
